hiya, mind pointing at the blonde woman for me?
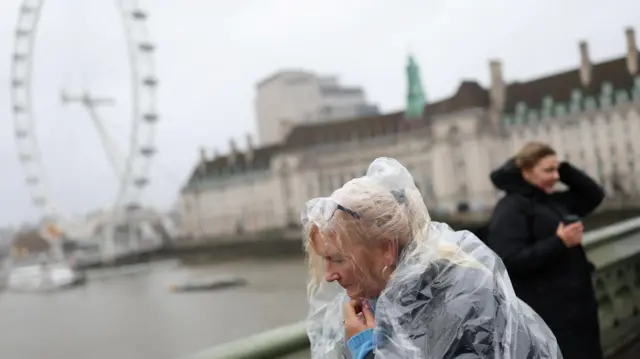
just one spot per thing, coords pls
(387, 282)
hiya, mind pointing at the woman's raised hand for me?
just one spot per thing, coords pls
(571, 234)
(358, 317)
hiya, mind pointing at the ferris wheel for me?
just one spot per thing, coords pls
(131, 168)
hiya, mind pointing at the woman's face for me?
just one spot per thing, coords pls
(544, 174)
(357, 268)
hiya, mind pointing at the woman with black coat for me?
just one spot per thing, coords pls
(538, 234)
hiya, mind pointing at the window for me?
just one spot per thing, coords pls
(636, 88)
(622, 96)
(521, 113)
(507, 120)
(606, 94)
(590, 103)
(576, 101)
(547, 107)
(560, 110)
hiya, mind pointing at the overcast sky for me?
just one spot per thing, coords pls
(211, 54)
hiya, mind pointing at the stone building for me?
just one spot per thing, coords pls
(292, 97)
(590, 114)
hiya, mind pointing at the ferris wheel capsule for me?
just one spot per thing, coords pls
(139, 14)
(146, 46)
(148, 151)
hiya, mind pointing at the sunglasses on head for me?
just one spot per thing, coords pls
(330, 212)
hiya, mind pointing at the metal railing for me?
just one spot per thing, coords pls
(614, 250)
(274, 343)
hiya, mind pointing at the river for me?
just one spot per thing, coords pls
(136, 317)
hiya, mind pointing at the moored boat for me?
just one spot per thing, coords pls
(208, 284)
(43, 277)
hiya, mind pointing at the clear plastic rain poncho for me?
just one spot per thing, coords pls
(448, 297)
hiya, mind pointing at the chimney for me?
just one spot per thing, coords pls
(203, 160)
(234, 152)
(632, 52)
(250, 150)
(585, 64)
(497, 92)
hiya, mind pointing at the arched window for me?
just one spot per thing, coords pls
(576, 101)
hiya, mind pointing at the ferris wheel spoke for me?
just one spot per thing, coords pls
(110, 148)
(90, 103)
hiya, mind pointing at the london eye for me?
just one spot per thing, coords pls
(131, 166)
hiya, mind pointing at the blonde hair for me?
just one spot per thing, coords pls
(399, 215)
(382, 216)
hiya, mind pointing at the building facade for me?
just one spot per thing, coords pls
(290, 98)
(590, 114)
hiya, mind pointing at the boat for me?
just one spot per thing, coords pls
(43, 277)
(132, 270)
(44, 271)
(208, 284)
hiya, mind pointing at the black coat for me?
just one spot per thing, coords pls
(553, 279)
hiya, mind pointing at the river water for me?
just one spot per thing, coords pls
(135, 317)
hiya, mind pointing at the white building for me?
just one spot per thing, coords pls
(590, 114)
(6, 236)
(289, 98)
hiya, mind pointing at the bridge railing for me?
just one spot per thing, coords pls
(275, 343)
(614, 250)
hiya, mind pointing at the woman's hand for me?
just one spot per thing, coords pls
(571, 235)
(358, 317)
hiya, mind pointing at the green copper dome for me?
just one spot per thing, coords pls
(415, 94)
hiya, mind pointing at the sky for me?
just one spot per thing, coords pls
(210, 55)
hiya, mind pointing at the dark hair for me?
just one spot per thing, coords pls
(531, 153)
